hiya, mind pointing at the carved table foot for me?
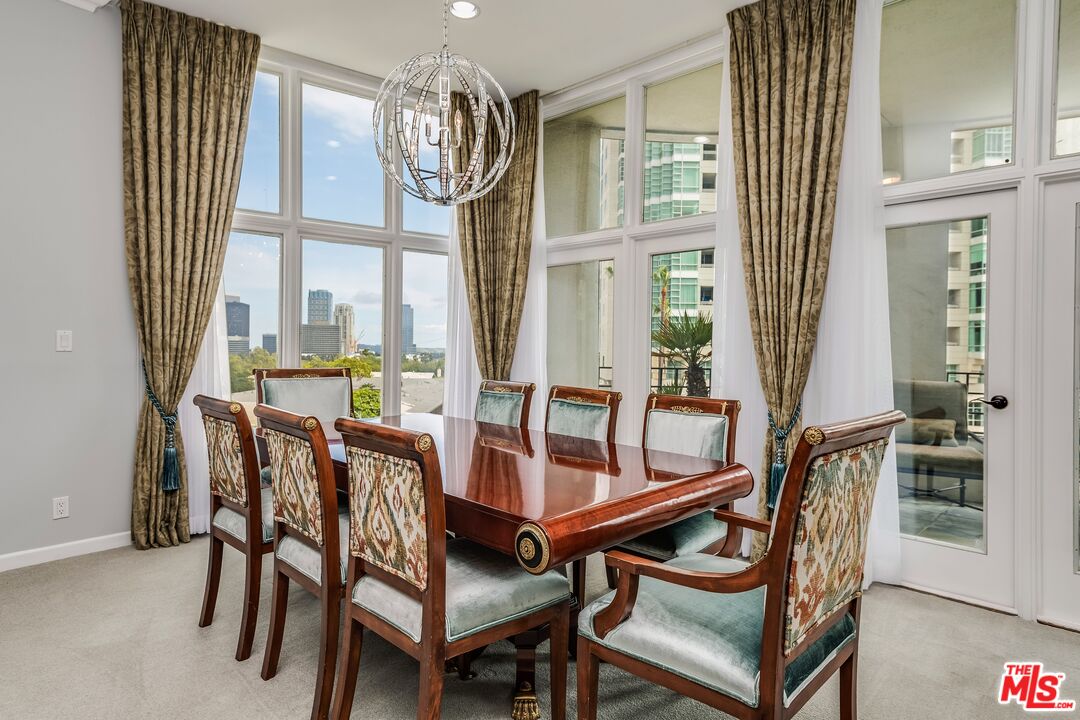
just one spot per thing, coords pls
(525, 705)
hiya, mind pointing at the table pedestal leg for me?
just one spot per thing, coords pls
(525, 704)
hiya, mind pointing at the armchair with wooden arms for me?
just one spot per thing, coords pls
(325, 393)
(757, 640)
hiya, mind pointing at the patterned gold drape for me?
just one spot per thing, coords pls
(187, 88)
(790, 64)
(495, 232)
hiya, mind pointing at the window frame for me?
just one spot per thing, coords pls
(290, 225)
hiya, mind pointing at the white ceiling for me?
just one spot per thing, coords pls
(545, 45)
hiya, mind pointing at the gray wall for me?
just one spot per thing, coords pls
(918, 260)
(68, 420)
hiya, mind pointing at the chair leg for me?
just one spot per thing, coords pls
(577, 581)
(213, 579)
(328, 647)
(612, 577)
(348, 666)
(252, 580)
(560, 639)
(429, 706)
(848, 683)
(279, 605)
(588, 677)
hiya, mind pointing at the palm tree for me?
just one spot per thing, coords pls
(688, 338)
(662, 277)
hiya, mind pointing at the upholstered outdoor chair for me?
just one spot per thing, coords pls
(758, 640)
(310, 537)
(704, 427)
(325, 393)
(241, 508)
(504, 403)
(582, 413)
(434, 598)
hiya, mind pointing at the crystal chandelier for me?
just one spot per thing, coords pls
(413, 113)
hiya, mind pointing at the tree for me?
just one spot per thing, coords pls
(689, 339)
(367, 401)
(662, 277)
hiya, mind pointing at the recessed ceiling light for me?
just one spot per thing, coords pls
(701, 139)
(464, 9)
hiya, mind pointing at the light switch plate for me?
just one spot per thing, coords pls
(63, 341)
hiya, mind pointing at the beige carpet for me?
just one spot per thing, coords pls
(114, 635)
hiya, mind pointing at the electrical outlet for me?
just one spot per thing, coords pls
(60, 508)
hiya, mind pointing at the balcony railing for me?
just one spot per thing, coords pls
(973, 381)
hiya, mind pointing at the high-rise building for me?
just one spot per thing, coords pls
(269, 342)
(237, 325)
(344, 318)
(408, 345)
(320, 307)
(322, 340)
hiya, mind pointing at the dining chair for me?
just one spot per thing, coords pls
(434, 598)
(240, 507)
(325, 393)
(703, 427)
(310, 537)
(588, 414)
(504, 403)
(757, 640)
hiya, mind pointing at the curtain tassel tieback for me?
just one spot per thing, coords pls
(170, 470)
(779, 465)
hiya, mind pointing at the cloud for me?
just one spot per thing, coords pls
(331, 178)
(333, 143)
(349, 114)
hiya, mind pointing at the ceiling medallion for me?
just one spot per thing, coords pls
(413, 113)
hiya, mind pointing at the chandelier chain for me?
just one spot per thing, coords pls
(445, 24)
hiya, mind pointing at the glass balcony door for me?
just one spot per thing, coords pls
(951, 296)
(1059, 420)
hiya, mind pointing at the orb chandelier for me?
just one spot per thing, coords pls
(414, 120)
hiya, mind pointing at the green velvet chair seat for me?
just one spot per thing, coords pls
(484, 588)
(235, 524)
(307, 559)
(578, 419)
(327, 398)
(499, 408)
(692, 535)
(713, 639)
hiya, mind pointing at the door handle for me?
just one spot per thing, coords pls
(998, 402)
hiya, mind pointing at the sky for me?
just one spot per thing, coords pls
(342, 181)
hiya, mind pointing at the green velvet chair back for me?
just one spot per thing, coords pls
(704, 427)
(582, 412)
(325, 393)
(504, 403)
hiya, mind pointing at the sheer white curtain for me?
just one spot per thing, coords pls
(209, 377)
(530, 356)
(851, 374)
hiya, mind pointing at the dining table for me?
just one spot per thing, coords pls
(549, 500)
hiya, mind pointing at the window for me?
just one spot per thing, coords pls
(682, 121)
(956, 260)
(946, 103)
(251, 279)
(583, 169)
(581, 303)
(706, 295)
(680, 326)
(1067, 100)
(342, 178)
(260, 188)
(977, 259)
(954, 297)
(976, 339)
(342, 319)
(952, 336)
(977, 297)
(423, 331)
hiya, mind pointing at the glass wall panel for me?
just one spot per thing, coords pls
(1067, 129)
(251, 277)
(342, 319)
(581, 319)
(342, 178)
(946, 86)
(260, 178)
(681, 322)
(938, 305)
(423, 331)
(583, 169)
(682, 120)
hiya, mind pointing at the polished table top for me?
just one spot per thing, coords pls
(497, 478)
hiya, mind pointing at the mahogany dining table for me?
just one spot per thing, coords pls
(549, 500)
